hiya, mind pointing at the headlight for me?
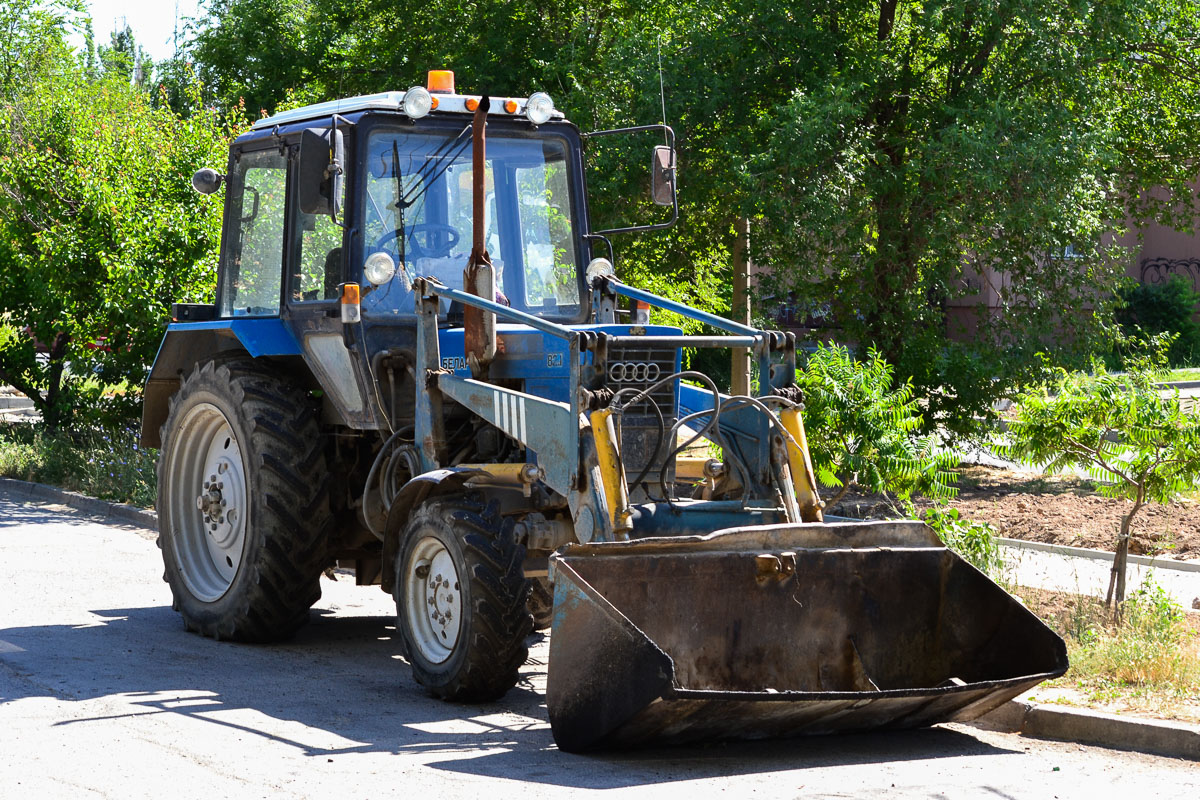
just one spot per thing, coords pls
(417, 102)
(599, 267)
(379, 268)
(539, 107)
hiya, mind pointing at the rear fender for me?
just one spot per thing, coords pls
(186, 344)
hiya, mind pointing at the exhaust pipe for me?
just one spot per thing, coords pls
(479, 278)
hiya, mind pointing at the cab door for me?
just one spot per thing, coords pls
(314, 275)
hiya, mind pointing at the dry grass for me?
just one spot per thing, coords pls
(1149, 664)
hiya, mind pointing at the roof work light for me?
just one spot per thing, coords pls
(440, 81)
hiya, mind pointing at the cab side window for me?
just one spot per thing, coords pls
(253, 255)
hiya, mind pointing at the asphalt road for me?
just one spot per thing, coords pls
(103, 694)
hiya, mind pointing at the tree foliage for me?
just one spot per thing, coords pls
(100, 229)
(1119, 428)
(930, 143)
(864, 430)
(1148, 310)
(892, 155)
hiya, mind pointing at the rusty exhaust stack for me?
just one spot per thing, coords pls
(479, 278)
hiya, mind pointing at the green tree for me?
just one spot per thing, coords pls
(250, 53)
(119, 56)
(123, 58)
(32, 39)
(1122, 431)
(923, 144)
(99, 231)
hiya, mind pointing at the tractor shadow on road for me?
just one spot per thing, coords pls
(340, 688)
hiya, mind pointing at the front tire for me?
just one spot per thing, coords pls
(461, 599)
(242, 500)
(541, 603)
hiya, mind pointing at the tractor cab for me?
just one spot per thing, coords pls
(333, 211)
(377, 190)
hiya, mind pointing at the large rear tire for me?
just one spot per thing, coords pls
(243, 502)
(461, 599)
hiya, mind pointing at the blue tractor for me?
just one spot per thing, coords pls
(420, 365)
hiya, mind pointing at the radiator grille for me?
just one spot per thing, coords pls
(643, 366)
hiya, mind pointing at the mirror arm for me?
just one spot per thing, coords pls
(670, 135)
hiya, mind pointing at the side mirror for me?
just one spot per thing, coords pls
(662, 176)
(207, 180)
(320, 173)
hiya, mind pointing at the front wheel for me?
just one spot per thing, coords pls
(461, 599)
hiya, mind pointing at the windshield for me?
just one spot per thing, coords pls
(417, 208)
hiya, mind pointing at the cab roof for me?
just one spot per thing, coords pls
(394, 102)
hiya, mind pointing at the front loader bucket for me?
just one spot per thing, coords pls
(781, 630)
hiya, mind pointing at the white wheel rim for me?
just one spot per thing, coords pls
(432, 600)
(207, 502)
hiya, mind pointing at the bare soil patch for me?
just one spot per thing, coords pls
(1064, 510)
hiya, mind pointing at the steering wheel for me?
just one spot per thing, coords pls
(415, 249)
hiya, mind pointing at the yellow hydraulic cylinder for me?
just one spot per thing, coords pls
(612, 473)
(801, 467)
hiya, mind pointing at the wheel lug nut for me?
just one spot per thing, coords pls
(212, 478)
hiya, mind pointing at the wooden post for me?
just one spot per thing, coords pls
(740, 382)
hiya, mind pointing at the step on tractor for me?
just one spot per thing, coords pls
(420, 365)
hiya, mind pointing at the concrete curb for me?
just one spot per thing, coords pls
(119, 512)
(1085, 726)
(1181, 385)
(1099, 555)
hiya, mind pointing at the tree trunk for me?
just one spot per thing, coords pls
(847, 483)
(1116, 580)
(52, 414)
(740, 381)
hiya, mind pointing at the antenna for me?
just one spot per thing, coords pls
(662, 95)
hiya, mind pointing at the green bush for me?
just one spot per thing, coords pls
(101, 462)
(1149, 309)
(864, 431)
(974, 541)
